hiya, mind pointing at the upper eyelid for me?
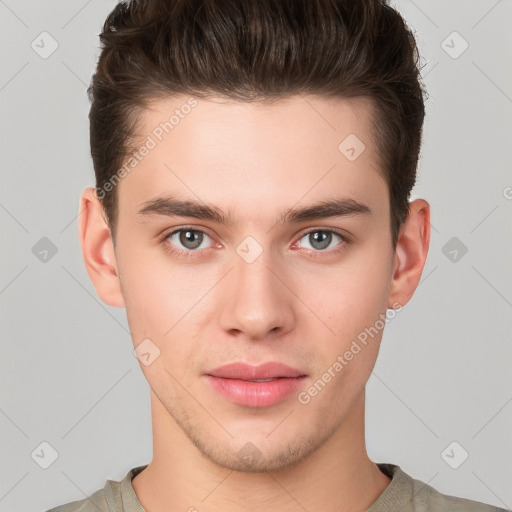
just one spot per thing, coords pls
(329, 230)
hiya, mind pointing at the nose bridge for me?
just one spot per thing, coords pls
(256, 300)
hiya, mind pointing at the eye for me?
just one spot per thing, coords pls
(321, 239)
(186, 240)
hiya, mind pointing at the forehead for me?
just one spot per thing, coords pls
(256, 153)
(309, 118)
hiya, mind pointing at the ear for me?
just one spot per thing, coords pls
(411, 253)
(98, 249)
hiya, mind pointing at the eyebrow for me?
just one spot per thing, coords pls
(172, 207)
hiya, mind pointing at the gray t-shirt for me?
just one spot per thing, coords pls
(403, 494)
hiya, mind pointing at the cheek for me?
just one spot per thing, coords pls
(351, 301)
(159, 302)
(159, 307)
(350, 295)
(162, 299)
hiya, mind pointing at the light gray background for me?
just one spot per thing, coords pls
(68, 373)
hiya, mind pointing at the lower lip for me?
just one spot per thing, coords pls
(256, 394)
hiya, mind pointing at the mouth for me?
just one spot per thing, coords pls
(263, 372)
(256, 386)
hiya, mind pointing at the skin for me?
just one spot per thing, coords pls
(296, 303)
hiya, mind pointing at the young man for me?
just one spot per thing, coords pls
(254, 161)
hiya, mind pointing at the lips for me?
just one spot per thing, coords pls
(256, 386)
(264, 372)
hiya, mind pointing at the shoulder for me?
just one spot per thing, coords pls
(421, 497)
(428, 498)
(96, 502)
(109, 499)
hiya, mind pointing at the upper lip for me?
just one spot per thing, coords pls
(243, 371)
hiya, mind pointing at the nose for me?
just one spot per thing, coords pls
(256, 299)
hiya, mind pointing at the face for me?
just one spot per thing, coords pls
(256, 283)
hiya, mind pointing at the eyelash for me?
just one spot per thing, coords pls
(197, 252)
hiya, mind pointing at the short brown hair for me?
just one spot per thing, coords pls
(256, 50)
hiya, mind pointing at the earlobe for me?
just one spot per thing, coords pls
(411, 253)
(98, 249)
